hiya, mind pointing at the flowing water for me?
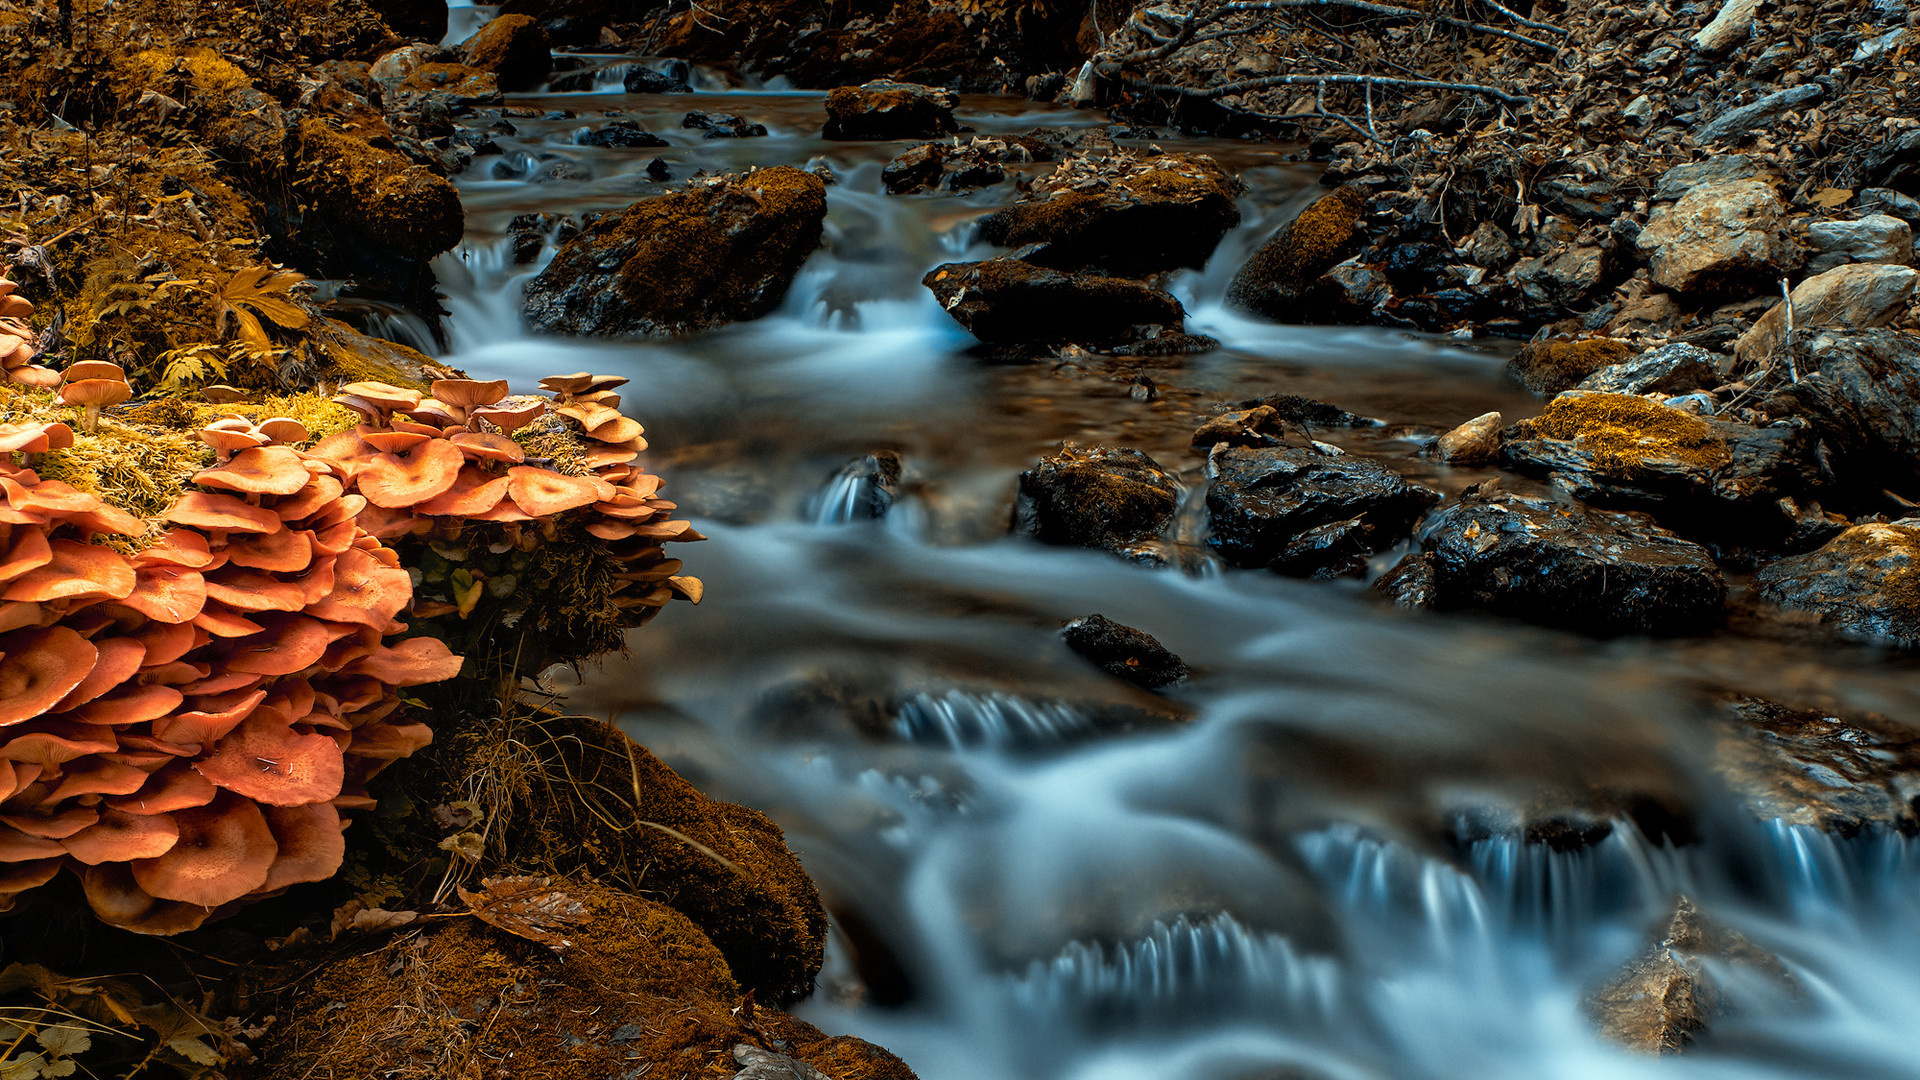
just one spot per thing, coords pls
(1287, 862)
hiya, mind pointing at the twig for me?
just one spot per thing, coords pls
(1387, 9)
(1193, 22)
(1786, 297)
(1262, 83)
(1522, 20)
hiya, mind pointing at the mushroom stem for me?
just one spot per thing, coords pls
(90, 419)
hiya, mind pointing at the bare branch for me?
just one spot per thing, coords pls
(1387, 9)
(1505, 98)
(1194, 21)
(1522, 20)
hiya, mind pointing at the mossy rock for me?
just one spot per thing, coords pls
(1549, 367)
(1864, 584)
(637, 987)
(374, 196)
(890, 110)
(513, 47)
(1276, 280)
(720, 252)
(1167, 215)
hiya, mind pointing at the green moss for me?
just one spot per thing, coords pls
(1622, 431)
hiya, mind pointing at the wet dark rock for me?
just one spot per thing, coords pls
(1130, 655)
(1276, 281)
(1161, 213)
(864, 489)
(884, 109)
(1863, 584)
(645, 80)
(1547, 367)
(1304, 512)
(1308, 412)
(1594, 570)
(723, 125)
(1258, 426)
(1690, 471)
(718, 252)
(530, 233)
(624, 134)
(1859, 391)
(1112, 498)
(659, 171)
(1670, 369)
(1411, 583)
(514, 49)
(958, 167)
(1663, 999)
(1809, 766)
(1008, 300)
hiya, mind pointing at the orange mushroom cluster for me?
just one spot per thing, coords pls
(431, 468)
(183, 727)
(19, 342)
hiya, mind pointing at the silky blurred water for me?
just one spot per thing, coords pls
(1036, 872)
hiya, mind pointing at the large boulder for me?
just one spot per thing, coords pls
(1864, 584)
(1128, 216)
(1727, 239)
(1567, 565)
(1112, 498)
(884, 109)
(1678, 368)
(1304, 511)
(1847, 297)
(1859, 390)
(514, 48)
(1690, 471)
(372, 197)
(1276, 281)
(719, 252)
(1875, 238)
(1013, 301)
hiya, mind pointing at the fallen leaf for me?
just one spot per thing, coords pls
(1831, 198)
(528, 907)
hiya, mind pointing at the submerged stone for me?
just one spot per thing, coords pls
(1301, 511)
(1130, 655)
(1817, 768)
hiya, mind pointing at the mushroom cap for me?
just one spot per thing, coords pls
(258, 470)
(588, 414)
(581, 382)
(222, 394)
(76, 571)
(254, 590)
(33, 375)
(15, 614)
(56, 743)
(176, 547)
(165, 642)
(28, 551)
(389, 742)
(365, 592)
(19, 847)
(391, 442)
(512, 417)
(398, 480)
(221, 621)
(413, 662)
(86, 370)
(284, 429)
(286, 643)
(285, 551)
(45, 496)
(481, 446)
(268, 760)
(100, 776)
(17, 878)
(53, 822)
(436, 412)
(95, 392)
(38, 668)
(211, 717)
(174, 787)
(167, 594)
(116, 661)
(122, 837)
(128, 704)
(619, 430)
(475, 492)
(310, 500)
(224, 852)
(469, 393)
(34, 438)
(222, 513)
(384, 396)
(118, 901)
(228, 441)
(312, 845)
(541, 492)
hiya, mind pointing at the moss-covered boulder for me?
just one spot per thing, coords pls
(514, 48)
(1864, 584)
(636, 988)
(1122, 215)
(1113, 498)
(884, 109)
(721, 251)
(1277, 280)
(1549, 366)
(373, 197)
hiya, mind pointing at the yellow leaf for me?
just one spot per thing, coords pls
(1830, 198)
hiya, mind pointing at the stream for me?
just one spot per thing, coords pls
(1295, 864)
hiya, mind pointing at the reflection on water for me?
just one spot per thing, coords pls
(1284, 862)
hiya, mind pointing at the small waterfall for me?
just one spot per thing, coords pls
(863, 490)
(964, 720)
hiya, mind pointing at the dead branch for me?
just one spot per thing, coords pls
(1524, 21)
(1387, 9)
(1198, 16)
(1369, 81)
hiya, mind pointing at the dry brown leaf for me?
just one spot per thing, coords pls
(1831, 198)
(528, 907)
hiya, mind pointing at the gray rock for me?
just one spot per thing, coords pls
(1489, 246)
(1670, 369)
(1864, 584)
(1891, 202)
(1733, 123)
(1412, 583)
(1354, 287)
(1009, 300)
(1593, 570)
(1691, 472)
(1475, 442)
(1726, 239)
(1595, 199)
(1849, 297)
(1719, 169)
(1132, 656)
(1115, 499)
(1563, 277)
(1859, 392)
(1876, 238)
(1299, 511)
(758, 1064)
